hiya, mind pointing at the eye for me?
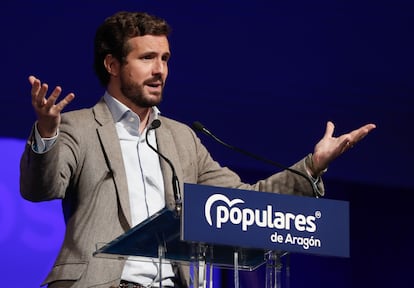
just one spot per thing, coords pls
(166, 57)
(147, 57)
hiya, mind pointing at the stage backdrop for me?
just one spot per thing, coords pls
(262, 75)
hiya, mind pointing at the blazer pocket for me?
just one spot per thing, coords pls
(66, 271)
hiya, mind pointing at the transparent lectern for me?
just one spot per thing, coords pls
(236, 229)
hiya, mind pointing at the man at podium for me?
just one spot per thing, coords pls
(98, 160)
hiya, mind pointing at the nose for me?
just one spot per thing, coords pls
(159, 67)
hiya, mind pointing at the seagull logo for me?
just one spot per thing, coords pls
(218, 197)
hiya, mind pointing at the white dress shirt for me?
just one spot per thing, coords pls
(145, 187)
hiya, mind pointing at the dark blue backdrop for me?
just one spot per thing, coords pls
(263, 75)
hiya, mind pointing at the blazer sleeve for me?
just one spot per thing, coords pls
(199, 167)
(46, 176)
(284, 182)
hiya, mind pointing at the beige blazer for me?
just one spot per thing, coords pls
(85, 169)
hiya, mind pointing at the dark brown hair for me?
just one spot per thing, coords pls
(112, 35)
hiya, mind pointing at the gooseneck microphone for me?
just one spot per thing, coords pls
(201, 128)
(175, 183)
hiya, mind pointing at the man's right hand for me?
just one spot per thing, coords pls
(47, 110)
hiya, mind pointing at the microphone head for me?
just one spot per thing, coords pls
(155, 124)
(198, 126)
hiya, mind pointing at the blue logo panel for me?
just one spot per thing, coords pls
(270, 221)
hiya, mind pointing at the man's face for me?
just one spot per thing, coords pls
(145, 70)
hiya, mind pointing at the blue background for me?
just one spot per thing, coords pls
(264, 76)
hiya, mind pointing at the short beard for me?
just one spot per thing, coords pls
(135, 93)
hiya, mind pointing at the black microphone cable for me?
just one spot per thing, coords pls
(201, 128)
(175, 183)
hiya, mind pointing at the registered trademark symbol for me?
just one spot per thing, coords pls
(318, 214)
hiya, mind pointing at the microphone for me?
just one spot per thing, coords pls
(201, 128)
(175, 183)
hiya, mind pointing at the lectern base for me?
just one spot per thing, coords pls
(158, 238)
(274, 266)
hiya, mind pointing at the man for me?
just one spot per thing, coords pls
(97, 160)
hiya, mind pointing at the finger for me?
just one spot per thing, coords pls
(330, 127)
(40, 98)
(32, 79)
(38, 93)
(35, 86)
(360, 133)
(65, 101)
(369, 127)
(53, 97)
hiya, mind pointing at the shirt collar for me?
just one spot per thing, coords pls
(119, 110)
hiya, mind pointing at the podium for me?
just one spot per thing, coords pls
(237, 229)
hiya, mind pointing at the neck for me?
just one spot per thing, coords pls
(144, 118)
(142, 112)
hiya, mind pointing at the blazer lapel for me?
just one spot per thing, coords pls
(165, 145)
(112, 151)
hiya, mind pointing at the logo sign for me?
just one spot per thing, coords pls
(270, 221)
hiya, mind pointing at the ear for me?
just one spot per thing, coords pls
(112, 65)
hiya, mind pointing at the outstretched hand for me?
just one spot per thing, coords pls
(329, 147)
(47, 109)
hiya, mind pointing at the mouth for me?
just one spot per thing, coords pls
(154, 84)
(154, 87)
